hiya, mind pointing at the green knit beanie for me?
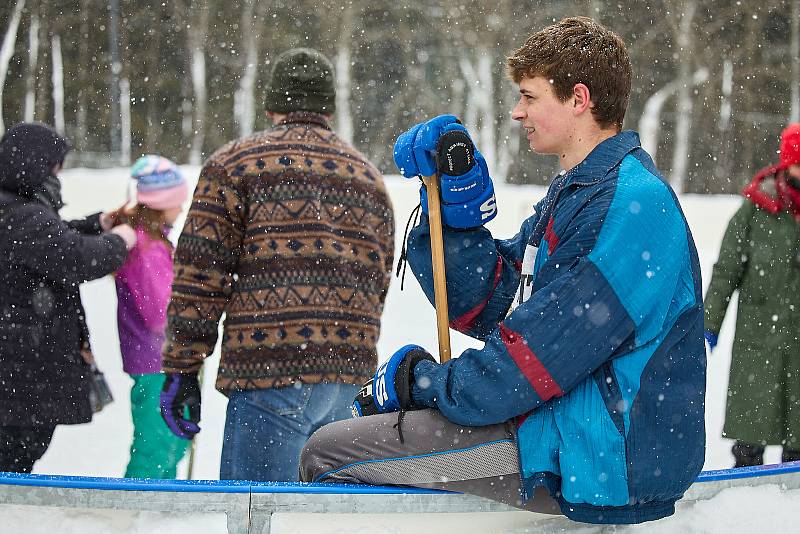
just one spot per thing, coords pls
(301, 80)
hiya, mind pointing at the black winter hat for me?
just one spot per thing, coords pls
(28, 153)
(301, 80)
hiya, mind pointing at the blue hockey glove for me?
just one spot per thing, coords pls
(414, 150)
(390, 389)
(442, 145)
(180, 404)
(466, 188)
(711, 338)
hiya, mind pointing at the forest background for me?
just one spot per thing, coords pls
(714, 81)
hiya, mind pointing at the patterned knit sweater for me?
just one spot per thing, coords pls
(291, 235)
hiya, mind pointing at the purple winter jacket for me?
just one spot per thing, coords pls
(144, 284)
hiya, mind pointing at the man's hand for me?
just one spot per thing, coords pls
(414, 150)
(180, 404)
(127, 233)
(390, 389)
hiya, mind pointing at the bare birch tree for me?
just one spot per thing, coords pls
(58, 85)
(685, 41)
(7, 52)
(795, 59)
(196, 37)
(30, 74)
(251, 23)
(344, 43)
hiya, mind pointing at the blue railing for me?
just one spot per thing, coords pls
(244, 486)
(203, 486)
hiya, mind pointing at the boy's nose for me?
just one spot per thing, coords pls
(517, 114)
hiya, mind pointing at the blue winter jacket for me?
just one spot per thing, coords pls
(601, 360)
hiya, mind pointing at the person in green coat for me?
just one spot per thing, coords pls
(760, 257)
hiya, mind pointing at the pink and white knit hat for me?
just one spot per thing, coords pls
(159, 183)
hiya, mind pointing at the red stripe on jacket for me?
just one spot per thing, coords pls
(464, 323)
(551, 237)
(530, 365)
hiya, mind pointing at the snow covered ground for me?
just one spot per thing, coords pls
(100, 448)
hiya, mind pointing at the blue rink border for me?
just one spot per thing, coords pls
(244, 486)
(201, 486)
(749, 472)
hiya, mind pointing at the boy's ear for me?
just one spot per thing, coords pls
(582, 100)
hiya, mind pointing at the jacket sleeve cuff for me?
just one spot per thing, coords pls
(89, 225)
(423, 392)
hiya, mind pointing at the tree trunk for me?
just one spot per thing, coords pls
(487, 137)
(153, 130)
(81, 126)
(58, 85)
(795, 55)
(749, 129)
(180, 13)
(479, 111)
(722, 169)
(7, 52)
(199, 87)
(197, 38)
(650, 120)
(683, 123)
(507, 149)
(244, 98)
(344, 115)
(125, 121)
(43, 76)
(30, 75)
(116, 70)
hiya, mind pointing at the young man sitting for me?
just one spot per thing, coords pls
(588, 396)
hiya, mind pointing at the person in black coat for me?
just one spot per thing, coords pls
(43, 376)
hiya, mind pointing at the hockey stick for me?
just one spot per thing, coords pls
(455, 155)
(437, 258)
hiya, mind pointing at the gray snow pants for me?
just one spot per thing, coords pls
(424, 451)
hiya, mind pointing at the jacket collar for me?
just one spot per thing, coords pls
(602, 159)
(593, 169)
(305, 117)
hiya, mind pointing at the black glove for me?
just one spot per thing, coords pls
(181, 394)
(390, 388)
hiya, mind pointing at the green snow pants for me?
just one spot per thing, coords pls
(155, 451)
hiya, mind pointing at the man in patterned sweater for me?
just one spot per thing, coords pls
(290, 235)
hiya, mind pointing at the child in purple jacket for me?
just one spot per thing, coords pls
(144, 283)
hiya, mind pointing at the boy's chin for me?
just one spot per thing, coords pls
(538, 150)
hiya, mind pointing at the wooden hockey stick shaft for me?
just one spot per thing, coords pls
(437, 259)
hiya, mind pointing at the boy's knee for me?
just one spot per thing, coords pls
(314, 461)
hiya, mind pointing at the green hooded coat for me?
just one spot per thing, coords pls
(758, 258)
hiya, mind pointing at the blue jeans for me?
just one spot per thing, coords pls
(265, 429)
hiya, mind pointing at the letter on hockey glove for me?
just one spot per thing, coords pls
(180, 404)
(390, 389)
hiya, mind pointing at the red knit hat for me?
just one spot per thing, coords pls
(790, 145)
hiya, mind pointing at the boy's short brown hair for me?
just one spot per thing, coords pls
(579, 50)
